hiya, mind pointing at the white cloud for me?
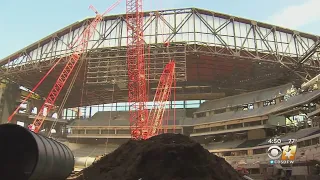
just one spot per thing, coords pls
(296, 16)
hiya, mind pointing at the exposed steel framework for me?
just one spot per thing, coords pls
(212, 51)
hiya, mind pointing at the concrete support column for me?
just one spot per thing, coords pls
(60, 115)
(256, 105)
(9, 97)
(29, 107)
(256, 134)
(59, 129)
(38, 104)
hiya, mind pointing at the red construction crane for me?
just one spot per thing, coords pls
(143, 125)
(58, 61)
(72, 61)
(137, 83)
(162, 95)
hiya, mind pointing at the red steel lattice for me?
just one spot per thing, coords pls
(161, 97)
(72, 61)
(62, 79)
(137, 85)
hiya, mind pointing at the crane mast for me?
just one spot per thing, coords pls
(137, 85)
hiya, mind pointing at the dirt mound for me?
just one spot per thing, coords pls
(163, 157)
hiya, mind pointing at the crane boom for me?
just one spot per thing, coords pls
(33, 90)
(72, 61)
(137, 86)
(57, 62)
(162, 95)
(57, 87)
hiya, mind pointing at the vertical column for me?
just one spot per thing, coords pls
(38, 104)
(10, 97)
(256, 105)
(58, 129)
(29, 107)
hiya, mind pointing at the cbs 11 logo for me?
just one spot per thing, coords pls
(287, 152)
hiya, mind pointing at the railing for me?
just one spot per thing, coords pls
(263, 158)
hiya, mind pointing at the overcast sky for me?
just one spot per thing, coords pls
(23, 22)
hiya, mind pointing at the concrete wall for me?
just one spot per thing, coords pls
(256, 134)
(10, 94)
(277, 120)
(299, 170)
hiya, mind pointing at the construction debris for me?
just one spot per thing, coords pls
(162, 157)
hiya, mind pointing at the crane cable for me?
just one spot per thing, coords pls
(110, 116)
(67, 94)
(170, 57)
(82, 94)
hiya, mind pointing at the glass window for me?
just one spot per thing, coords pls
(178, 102)
(179, 106)
(122, 108)
(192, 105)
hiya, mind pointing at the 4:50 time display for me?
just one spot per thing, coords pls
(274, 141)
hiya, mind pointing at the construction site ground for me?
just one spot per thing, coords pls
(162, 157)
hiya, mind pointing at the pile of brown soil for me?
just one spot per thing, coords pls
(163, 157)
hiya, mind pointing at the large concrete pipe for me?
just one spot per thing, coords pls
(26, 155)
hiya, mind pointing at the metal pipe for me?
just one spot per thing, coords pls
(26, 155)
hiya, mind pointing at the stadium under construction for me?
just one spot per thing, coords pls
(238, 84)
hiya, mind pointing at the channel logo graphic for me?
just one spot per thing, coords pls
(283, 155)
